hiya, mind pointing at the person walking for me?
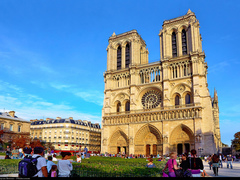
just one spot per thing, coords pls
(171, 165)
(196, 164)
(64, 166)
(229, 161)
(41, 162)
(215, 164)
(220, 160)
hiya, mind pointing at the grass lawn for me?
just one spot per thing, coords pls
(101, 166)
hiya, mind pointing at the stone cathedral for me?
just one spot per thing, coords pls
(164, 106)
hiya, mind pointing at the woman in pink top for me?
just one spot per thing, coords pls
(172, 164)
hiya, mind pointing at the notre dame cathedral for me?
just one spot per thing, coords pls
(164, 106)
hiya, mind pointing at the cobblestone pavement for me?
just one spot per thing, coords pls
(224, 171)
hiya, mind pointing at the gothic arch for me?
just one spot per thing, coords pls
(181, 139)
(148, 135)
(180, 88)
(121, 97)
(119, 142)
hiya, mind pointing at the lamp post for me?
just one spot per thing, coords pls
(200, 150)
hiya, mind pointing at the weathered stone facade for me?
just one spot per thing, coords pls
(160, 107)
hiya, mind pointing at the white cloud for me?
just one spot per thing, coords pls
(30, 106)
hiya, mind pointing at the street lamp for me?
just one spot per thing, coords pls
(200, 150)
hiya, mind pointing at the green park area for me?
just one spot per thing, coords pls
(101, 167)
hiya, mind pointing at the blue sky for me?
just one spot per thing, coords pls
(53, 53)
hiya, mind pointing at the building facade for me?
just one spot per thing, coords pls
(160, 107)
(67, 134)
(13, 127)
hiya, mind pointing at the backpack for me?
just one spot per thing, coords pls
(28, 167)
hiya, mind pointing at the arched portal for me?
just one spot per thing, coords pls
(148, 140)
(119, 143)
(182, 139)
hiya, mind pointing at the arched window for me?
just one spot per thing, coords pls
(187, 99)
(127, 106)
(119, 57)
(118, 107)
(184, 42)
(174, 44)
(177, 100)
(127, 55)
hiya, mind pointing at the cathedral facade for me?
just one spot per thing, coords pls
(164, 106)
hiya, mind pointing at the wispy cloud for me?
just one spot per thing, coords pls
(30, 106)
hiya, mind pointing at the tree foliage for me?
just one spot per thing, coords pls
(236, 141)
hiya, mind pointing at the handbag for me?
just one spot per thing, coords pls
(164, 175)
(178, 172)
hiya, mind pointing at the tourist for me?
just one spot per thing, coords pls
(220, 160)
(196, 164)
(27, 151)
(85, 150)
(64, 166)
(20, 153)
(184, 163)
(79, 159)
(54, 157)
(41, 162)
(215, 164)
(172, 164)
(210, 161)
(229, 161)
(151, 164)
(15, 153)
(8, 151)
(50, 163)
(54, 171)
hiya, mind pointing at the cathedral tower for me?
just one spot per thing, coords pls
(156, 108)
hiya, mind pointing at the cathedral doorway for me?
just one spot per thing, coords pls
(148, 149)
(119, 143)
(148, 141)
(182, 139)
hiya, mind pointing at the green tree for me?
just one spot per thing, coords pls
(236, 141)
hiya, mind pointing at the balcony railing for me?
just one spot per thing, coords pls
(154, 109)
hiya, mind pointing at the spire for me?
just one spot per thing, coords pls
(189, 11)
(113, 34)
(215, 95)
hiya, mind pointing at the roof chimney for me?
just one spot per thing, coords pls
(12, 113)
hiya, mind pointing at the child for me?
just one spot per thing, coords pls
(54, 171)
(79, 159)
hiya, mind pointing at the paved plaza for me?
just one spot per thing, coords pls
(224, 172)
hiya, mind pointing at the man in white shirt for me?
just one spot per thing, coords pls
(41, 162)
(64, 166)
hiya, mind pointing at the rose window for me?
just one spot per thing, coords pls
(151, 99)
